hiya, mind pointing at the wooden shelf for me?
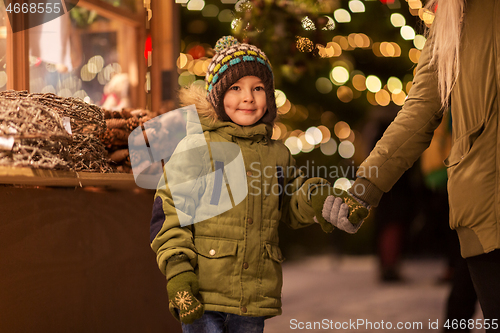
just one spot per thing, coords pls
(44, 177)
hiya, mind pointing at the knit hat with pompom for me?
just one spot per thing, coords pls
(232, 61)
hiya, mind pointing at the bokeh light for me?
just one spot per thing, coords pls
(414, 55)
(370, 97)
(356, 6)
(398, 20)
(390, 49)
(342, 130)
(323, 85)
(280, 98)
(313, 135)
(293, 144)
(276, 132)
(282, 128)
(427, 16)
(182, 61)
(285, 108)
(329, 147)
(399, 98)
(407, 32)
(345, 94)
(358, 40)
(359, 82)
(342, 183)
(342, 41)
(394, 85)
(373, 83)
(342, 15)
(225, 15)
(185, 79)
(95, 64)
(419, 42)
(325, 132)
(210, 10)
(339, 75)
(337, 49)
(382, 97)
(346, 149)
(415, 4)
(306, 146)
(85, 74)
(196, 4)
(408, 86)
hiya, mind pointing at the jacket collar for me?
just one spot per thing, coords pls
(230, 130)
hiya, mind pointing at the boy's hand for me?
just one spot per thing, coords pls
(337, 208)
(183, 304)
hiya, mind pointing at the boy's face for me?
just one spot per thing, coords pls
(245, 101)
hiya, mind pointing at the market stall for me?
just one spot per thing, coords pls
(74, 226)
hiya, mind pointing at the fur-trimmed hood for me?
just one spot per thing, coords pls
(195, 94)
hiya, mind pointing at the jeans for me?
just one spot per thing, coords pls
(221, 322)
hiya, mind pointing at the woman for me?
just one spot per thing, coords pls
(459, 67)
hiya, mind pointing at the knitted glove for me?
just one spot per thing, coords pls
(346, 212)
(183, 304)
(335, 207)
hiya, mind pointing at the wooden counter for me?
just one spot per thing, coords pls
(75, 255)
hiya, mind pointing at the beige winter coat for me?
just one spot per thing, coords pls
(473, 163)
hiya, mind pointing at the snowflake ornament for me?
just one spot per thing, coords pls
(183, 300)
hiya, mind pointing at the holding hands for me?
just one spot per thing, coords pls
(338, 208)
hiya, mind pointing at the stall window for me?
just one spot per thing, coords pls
(92, 52)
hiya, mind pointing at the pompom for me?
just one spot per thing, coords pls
(225, 42)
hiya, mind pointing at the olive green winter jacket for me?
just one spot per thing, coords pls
(236, 254)
(473, 163)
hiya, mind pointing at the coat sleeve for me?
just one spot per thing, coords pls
(406, 138)
(168, 237)
(297, 206)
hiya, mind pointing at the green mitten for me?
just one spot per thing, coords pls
(356, 212)
(182, 289)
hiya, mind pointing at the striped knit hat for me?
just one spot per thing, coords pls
(231, 62)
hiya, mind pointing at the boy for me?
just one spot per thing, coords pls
(224, 273)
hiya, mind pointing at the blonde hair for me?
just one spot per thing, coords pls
(446, 31)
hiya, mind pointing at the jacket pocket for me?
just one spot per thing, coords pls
(217, 263)
(272, 276)
(463, 145)
(274, 252)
